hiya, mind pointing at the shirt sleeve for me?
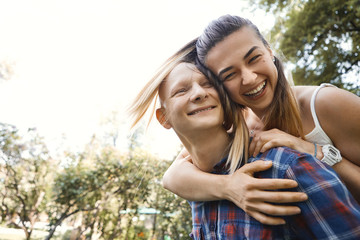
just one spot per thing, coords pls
(330, 211)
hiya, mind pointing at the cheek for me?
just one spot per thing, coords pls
(214, 93)
(272, 69)
(232, 88)
(276, 74)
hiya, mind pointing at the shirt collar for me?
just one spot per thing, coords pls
(220, 167)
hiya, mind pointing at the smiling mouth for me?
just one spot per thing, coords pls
(257, 91)
(199, 111)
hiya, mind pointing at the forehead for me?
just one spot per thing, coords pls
(238, 42)
(183, 72)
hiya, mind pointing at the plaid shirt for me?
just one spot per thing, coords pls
(329, 213)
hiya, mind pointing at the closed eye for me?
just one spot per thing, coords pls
(179, 91)
(206, 84)
(254, 58)
(229, 76)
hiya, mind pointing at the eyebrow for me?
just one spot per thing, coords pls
(228, 68)
(250, 51)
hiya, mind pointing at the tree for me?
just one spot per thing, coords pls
(97, 186)
(77, 189)
(174, 218)
(321, 38)
(110, 194)
(26, 172)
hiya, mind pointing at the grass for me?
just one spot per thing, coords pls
(18, 234)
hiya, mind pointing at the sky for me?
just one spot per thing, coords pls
(78, 61)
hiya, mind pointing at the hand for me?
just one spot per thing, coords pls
(251, 195)
(184, 156)
(264, 140)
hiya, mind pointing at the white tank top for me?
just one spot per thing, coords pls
(317, 135)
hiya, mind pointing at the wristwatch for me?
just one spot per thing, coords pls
(331, 155)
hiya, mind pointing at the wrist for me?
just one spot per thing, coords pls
(218, 186)
(331, 155)
(224, 189)
(318, 151)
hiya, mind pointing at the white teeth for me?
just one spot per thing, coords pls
(256, 90)
(206, 109)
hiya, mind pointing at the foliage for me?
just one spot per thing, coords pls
(25, 176)
(321, 38)
(101, 192)
(174, 218)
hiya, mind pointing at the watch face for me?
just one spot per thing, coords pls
(331, 155)
(332, 151)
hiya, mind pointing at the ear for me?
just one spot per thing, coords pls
(161, 117)
(271, 52)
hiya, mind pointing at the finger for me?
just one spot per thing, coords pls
(256, 166)
(264, 219)
(252, 147)
(187, 157)
(272, 184)
(276, 197)
(274, 210)
(269, 145)
(259, 143)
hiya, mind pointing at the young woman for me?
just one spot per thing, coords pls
(240, 59)
(191, 106)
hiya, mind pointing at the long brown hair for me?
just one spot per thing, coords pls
(283, 113)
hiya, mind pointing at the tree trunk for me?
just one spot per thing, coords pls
(128, 228)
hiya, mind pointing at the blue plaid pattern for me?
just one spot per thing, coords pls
(329, 213)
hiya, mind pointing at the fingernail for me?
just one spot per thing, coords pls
(267, 162)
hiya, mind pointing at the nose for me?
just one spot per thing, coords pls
(248, 77)
(198, 93)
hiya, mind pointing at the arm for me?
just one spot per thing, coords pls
(340, 120)
(187, 181)
(265, 140)
(330, 212)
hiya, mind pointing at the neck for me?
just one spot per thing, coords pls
(254, 120)
(207, 148)
(260, 114)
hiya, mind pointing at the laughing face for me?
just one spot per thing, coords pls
(190, 102)
(244, 65)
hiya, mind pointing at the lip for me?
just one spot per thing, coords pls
(259, 92)
(201, 109)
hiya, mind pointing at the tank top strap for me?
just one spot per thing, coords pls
(312, 103)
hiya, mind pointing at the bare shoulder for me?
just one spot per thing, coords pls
(331, 100)
(303, 94)
(338, 111)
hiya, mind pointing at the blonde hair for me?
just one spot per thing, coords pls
(233, 116)
(150, 91)
(238, 153)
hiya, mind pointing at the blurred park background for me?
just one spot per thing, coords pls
(70, 168)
